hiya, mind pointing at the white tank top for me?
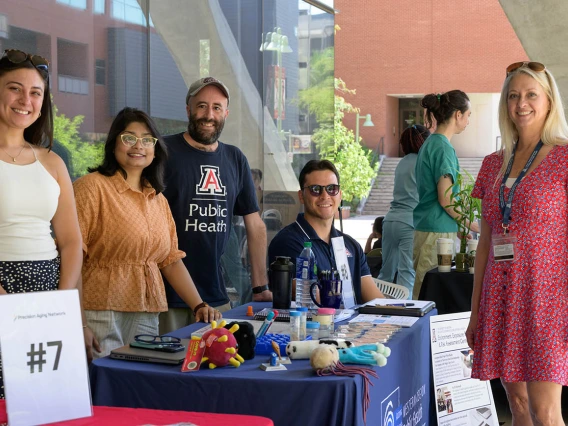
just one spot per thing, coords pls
(28, 201)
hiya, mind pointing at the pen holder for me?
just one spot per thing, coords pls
(330, 293)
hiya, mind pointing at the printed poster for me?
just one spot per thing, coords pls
(460, 400)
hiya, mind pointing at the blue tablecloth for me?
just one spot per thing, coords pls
(293, 397)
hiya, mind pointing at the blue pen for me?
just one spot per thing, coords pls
(402, 305)
(265, 325)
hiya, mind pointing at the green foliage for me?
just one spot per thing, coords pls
(337, 144)
(463, 203)
(318, 98)
(84, 154)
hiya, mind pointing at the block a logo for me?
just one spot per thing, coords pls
(210, 182)
(391, 412)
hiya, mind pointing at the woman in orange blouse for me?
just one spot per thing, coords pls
(129, 236)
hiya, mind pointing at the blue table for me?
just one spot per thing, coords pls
(293, 397)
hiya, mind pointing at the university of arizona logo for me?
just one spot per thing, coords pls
(210, 182)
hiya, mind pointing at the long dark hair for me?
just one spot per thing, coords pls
(412, 138)
(441, 106)
(40, 133)
(154, 173)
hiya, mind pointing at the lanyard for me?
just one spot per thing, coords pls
(506, 207)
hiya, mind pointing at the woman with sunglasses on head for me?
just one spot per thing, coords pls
(519, 311)
(398, 225)
(436, 172)
(129, 238)
(35, 188)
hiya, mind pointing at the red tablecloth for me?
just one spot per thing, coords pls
(115, 416)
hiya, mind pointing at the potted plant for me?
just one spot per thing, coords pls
(469, 209)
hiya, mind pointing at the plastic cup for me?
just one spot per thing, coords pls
(445, 248)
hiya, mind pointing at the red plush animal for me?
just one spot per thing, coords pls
(221, 346)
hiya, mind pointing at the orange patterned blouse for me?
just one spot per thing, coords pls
(128, 236)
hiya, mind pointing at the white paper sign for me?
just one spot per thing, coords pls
(43, 357)
(460, 400)
(342, 266)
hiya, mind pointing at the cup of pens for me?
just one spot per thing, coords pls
(329, 286)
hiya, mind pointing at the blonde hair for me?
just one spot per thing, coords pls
(555, 130)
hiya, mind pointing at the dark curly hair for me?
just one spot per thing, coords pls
(412, 138)
(154, 173)
(440, 106)
(40, 133)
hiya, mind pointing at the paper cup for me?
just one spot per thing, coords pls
(471, 251)
(471, 246)
(445, 247)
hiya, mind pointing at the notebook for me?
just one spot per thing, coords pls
(127, 353)
(419, 308)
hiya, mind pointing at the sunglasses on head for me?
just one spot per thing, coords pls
(535, 66)
(316, 190)
(17, 57)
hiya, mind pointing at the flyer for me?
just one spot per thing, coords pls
(460, 400)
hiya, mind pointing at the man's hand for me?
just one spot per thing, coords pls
(265, 296)
(91, 343)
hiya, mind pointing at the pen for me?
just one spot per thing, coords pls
(400, 305)
(265, 325)
(271, 321)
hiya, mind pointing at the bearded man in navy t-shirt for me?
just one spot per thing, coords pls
(207, 182)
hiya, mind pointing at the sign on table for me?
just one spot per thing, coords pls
(460, 400)
(43, 357)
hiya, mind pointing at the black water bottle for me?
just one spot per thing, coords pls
(281, 272)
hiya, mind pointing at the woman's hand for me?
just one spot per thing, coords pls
(207, 314)
(470, 331)
(91, 343)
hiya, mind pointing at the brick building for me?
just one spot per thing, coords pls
(395, 51)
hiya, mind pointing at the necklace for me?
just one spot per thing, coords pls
(14, 158)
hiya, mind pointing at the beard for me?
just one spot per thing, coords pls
(198, 134)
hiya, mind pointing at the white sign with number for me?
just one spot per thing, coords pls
(43, 357)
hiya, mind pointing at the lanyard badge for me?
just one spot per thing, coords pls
(504, 246)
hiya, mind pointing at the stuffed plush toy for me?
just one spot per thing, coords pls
(221, 346)
(328, 360)
(246, 340)
(303, 349)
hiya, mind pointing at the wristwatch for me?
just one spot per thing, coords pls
(259, 289)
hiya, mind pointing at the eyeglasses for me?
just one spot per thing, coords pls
(316, 190)
(535, 66)
(17, 57)
(163, 340)
(130, 140)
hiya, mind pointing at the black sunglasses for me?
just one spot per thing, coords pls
(316, 190)
(17, 57)
(535, 66)
(163, 340)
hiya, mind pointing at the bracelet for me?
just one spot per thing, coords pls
(198, 307)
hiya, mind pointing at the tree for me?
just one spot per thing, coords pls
(84, 154)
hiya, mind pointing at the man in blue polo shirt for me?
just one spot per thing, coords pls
(320, 194)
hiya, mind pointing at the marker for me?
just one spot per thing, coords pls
(265, 324)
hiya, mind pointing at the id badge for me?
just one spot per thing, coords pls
(504, 247)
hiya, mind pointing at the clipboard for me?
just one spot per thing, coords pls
(418, 311)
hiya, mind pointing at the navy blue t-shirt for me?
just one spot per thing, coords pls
(290, 242)
(204, 190)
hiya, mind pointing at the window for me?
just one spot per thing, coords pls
(128, 11)
(79, 4)
(100, 71)
(99, 7)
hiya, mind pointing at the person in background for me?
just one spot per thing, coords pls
(129, 237)
(35, 188)
(207, 182)
(257, 178)
(436, 172)
(377, 234)
(320, 194)
(398, 226)
(518, 326)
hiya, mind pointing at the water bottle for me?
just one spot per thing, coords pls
(306, 275)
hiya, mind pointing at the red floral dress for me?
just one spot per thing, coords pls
(522, 332)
